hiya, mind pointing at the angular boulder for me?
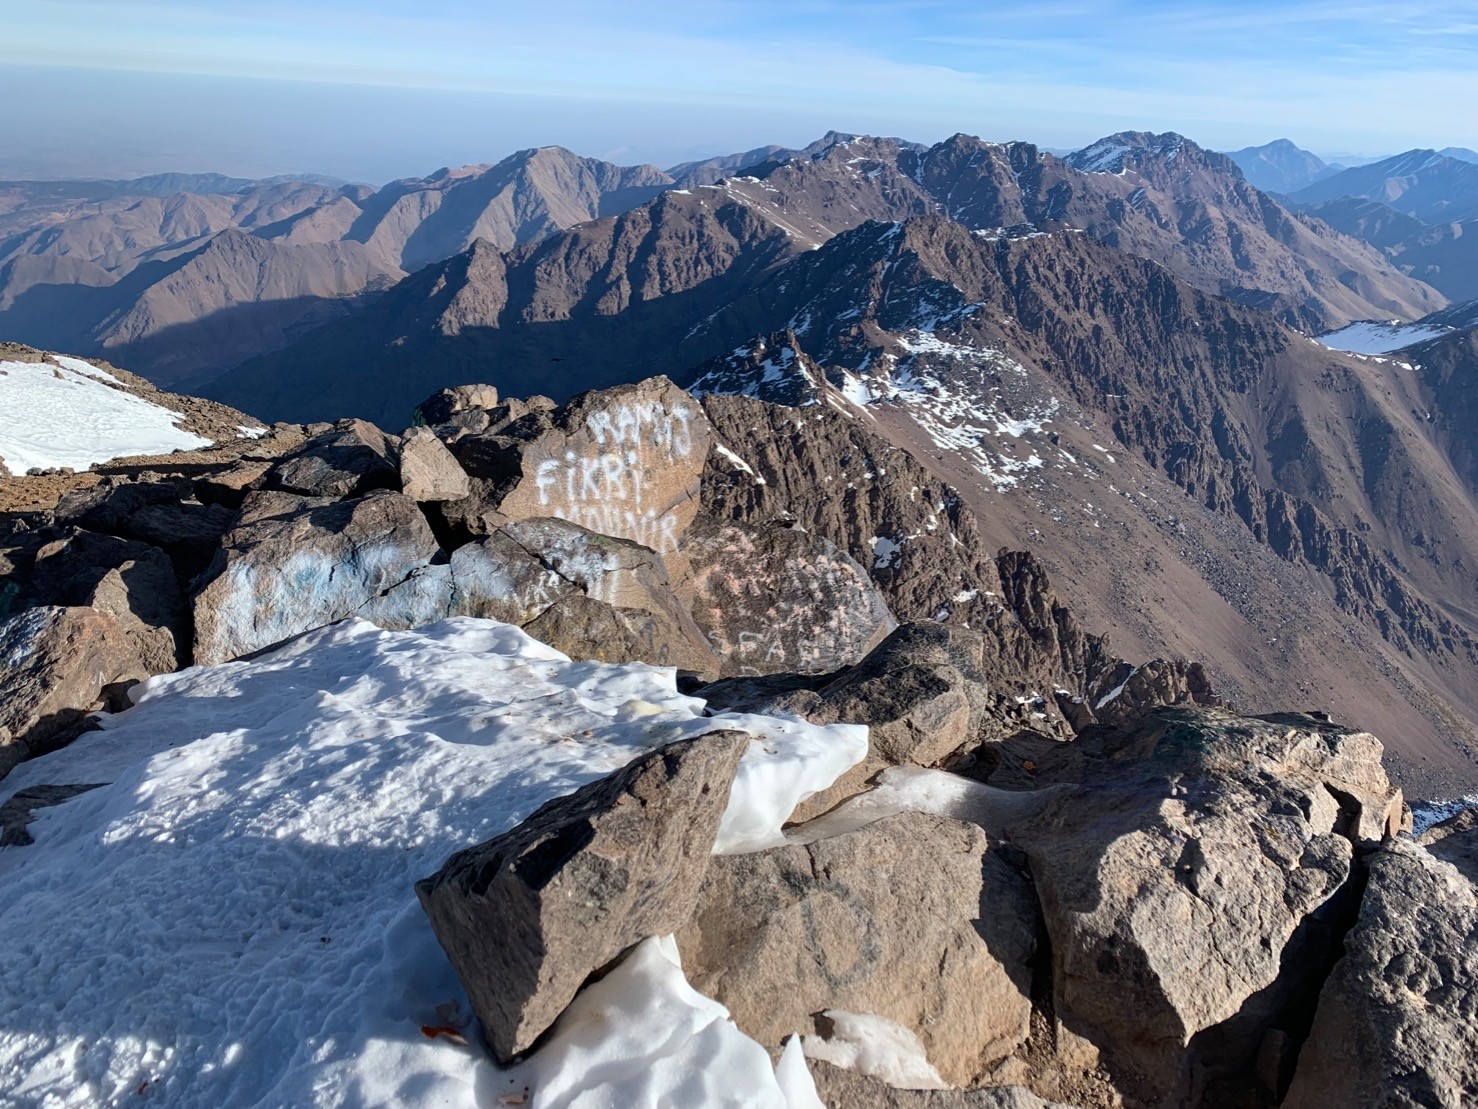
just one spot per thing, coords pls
(1397, 1022)
(910, 918)
(774, 599)
(293, 563)
(228, 487)
(498, 579)
(1197, 879)
(527, 917)
(442, 405)
(56, 665)
(352, 459)
(624, 462)
(625, 611)
(428, 471)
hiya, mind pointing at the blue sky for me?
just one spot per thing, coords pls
(373, 89)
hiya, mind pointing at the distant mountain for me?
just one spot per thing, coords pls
(134, 270)
(713, 170)
(1445, 256)
(1425, 184)
(1280, 166)
(1378, 224)
(1461, 153)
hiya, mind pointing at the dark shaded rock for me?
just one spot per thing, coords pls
(230, 486)
(20, 810)
(56, 665)
(527, 917)
(497, 578)
(909, 918)
(353, 458)
(1397, 1023)
(441, 406)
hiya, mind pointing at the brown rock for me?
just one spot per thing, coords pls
(773, 599)
(230, 486)
(352, 458)
(441, 406)
(1196, 879)
(844, 1089)
(56, 665)
(525, 918)
(909, 918)
(428, 471)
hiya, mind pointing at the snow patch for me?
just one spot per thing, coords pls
(875, 1046)
(229, 919)
(52, 416)
(1374, 337)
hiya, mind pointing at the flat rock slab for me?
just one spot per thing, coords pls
(527, 917)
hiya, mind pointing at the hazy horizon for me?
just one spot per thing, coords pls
(378, 90)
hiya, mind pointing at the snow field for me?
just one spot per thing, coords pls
(230, 919)
(69, 415)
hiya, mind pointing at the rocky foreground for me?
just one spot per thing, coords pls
(1049, 876)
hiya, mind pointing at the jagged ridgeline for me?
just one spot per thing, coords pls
(890, 796)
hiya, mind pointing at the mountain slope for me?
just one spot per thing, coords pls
(1280, 166)
(1421, 183)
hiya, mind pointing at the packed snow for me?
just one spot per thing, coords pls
(230, 918)
(69, 414)
(1373, 337)
(878, 1047)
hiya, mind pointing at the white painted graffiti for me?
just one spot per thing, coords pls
(605, 492)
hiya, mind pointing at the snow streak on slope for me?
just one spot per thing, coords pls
(231, 920)
(955, 394)
(70, 415)
(1371, 337)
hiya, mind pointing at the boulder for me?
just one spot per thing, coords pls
(527, 917)
(442, 405)
(626, 611)
(159, 513)
(229, 487)
(910, 918)
(498, 579)
(428, 471)
(294, 563)
(347, 461)
(20, 810)
(131, 581)
(624, 462)
(844, 1089)
(921, 693)
(1198, 878)
(773, 599)
(1397, 1022)
(56, 665)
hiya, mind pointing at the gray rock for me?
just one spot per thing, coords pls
(292, 564)
(1196, 879)
(643, 621)
(498, 579)
(56, 665)
(353, 458)
(428, 471)
(527, 917)
(229, 487)
(1397, 1023)
(910, 918)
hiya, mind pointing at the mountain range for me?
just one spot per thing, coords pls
(1108, 354)
(104, 267)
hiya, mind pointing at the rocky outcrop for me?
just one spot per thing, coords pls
(352, 460)
(1197, 876)
(56, 664)
(527, 917)
(428, 471)
(910, 919)
(1397, 1022)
